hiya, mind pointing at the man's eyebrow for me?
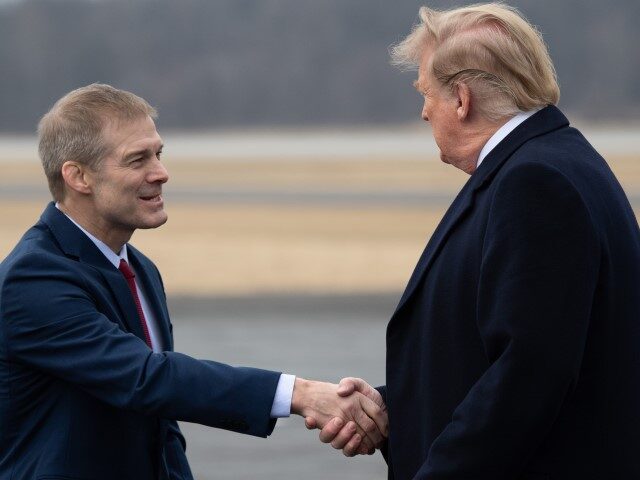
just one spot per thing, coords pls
(135, 153)
(421, 89)
(143, 151)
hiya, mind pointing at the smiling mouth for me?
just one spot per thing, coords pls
(153, 198)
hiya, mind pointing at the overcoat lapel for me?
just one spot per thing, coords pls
(545, 121)
(75, 244)
(456, 211)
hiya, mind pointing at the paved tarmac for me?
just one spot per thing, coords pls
(318, 337)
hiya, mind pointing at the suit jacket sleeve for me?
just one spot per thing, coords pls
(538, 274)
(62, 334)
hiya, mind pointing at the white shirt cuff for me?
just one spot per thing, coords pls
(282, 400)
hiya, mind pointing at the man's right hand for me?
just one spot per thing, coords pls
(361, 422)
(343, 436)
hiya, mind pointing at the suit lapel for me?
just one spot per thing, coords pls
(545, 121)
(75, 244)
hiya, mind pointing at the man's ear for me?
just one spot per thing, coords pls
(463, 98)
(75, 177)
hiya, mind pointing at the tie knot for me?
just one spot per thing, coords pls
(126, 270)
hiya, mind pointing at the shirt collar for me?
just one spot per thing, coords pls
(103, 247)
(502, 133)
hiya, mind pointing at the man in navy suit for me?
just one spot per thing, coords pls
(514, 352)
(90, 387)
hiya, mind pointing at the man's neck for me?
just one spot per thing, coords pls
(475, 138)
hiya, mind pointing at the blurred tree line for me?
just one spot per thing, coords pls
(226, 63)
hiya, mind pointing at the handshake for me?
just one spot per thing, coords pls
(352, 415)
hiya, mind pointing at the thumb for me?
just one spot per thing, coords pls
(310, 423)
(349, 385)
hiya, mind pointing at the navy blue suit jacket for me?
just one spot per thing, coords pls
(81, 395)
(514, 352)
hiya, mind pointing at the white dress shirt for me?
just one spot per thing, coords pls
(502, 133)
(281, 406)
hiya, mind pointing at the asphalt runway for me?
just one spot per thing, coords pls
(316, 337)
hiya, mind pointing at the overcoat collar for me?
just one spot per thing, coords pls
(546, 120)
(75, 244)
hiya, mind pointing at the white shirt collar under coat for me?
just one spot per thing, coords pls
(103, 247)
(502, 133)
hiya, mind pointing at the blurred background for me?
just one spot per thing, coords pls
(303, 184)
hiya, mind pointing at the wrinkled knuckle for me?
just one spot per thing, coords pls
(367, 444)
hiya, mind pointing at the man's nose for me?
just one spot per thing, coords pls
(424, 115)
(159, 173)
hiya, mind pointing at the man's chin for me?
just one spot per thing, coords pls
(156, 222)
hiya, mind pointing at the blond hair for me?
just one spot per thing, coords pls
(73, 129)
(491, 48)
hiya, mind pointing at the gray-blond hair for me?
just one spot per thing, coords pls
(73, 129)
(491, 48)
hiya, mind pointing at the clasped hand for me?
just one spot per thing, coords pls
(352, 415)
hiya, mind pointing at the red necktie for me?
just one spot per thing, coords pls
(130, 277)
